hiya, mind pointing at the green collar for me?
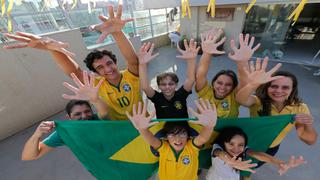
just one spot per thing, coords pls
(176, 154)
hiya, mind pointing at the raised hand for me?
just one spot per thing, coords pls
(145, 53)
(303, 119)
(257, 74)
(191, 51)
(139, 119)
(37, 42)
(208, 114)
(246, 49)
(86, 91)
(239, 164)
(110, 25)
(44, 127)
(292, 163)
(209, 44)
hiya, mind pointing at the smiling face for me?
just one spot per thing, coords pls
(167, 87)
(178, 140)
(223, 86)
(235, 146)
(107, 68)
(81, 112)
(280, 90)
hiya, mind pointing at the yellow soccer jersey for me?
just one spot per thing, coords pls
(183, 167)
(290, 109)
(227, 107)
(121, 98)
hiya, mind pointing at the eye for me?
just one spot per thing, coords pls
(285, 87)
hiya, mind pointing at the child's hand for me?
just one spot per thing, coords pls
(246, 49)
(239, 164)
(208, 113)
(145, 53)
(44, 127)
(293, 162)
(139, 119)
(303, 119)
(209, 44)
(191, 51)
(257, 74)
(86, 91)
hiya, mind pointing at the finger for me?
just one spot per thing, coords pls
(151, 49)
(208, 104)
(251, 66)
(15, 46)
(233, 46)
(128, 20)
(241, 41)
(69, 97)
(202, 37)
(155, 55)
(99, 84)
(76, 80)
(70, 87)
(144, 109)
(258, 64)
(27, 35)
(251, 42)
(179, 49)
(110, 11)
(134, 110)
(139, 108)
(265, 63)
(152, 115)
(102, 18)
(102, 37)
(246, 39)
(191, 44)
(275, 68)
(17, 38)
(185, 42)
(199, 106)
(221, 41)
(203, 104)
(193, 113)
(85, 78)
(92, 79)
(119, 11)
(256, 47)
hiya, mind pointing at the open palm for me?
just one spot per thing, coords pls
(145, 53)
(112, 24)
(209, 44)
(191, 50)
(37, 42)
(86, 91)
(246, 49)
(257, 74)
(138, 117)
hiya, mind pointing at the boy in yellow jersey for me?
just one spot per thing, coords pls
(119, 90)
(178, 153)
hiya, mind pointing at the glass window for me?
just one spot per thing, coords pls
(159, 28)
(141, 18)
(81, 18)
(144, 32)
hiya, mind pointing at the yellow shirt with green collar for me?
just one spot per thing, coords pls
(226, 107)
(181, 166)
(289, 109)
(121, 98)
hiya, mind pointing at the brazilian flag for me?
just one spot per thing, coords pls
(115, 150)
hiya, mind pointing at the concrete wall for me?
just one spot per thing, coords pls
(199, 23)
(31, 82)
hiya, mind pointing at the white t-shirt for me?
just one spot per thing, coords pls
(221, 170)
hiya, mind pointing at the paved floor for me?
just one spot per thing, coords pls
(62, 165)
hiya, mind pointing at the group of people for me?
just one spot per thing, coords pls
(117, 96)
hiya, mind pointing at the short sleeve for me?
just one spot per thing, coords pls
(53, 140)
(183, 93)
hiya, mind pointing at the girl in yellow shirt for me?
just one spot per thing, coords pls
(276, 94)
